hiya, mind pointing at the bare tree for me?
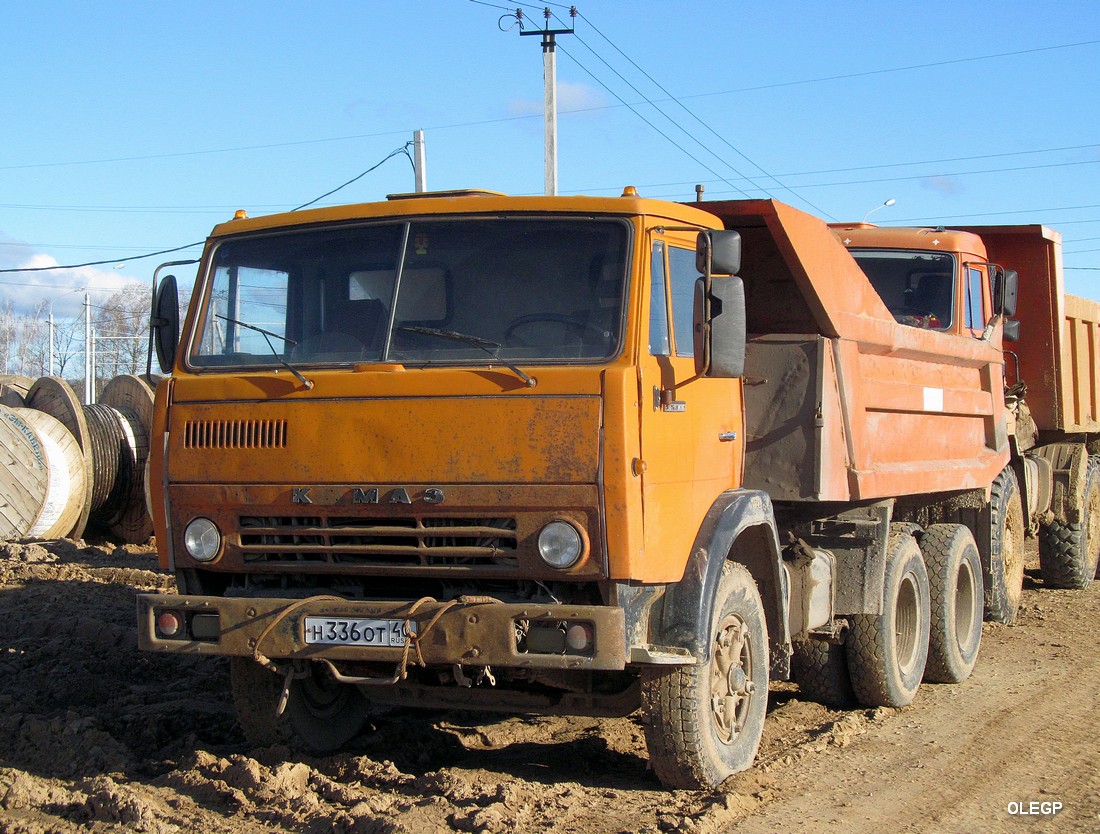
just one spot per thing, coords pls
(34, 341)
(68, 344)
(8, 335)
(122, 332)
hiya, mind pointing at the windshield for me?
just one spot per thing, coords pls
(917, 287)
(459, 290)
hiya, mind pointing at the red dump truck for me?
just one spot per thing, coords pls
(590, 455)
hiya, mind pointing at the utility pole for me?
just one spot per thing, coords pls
(550, 94)
(89, 360)
(420, 163)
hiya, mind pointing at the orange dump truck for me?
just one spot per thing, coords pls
(590, 455)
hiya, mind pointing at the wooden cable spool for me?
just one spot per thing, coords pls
(67, 476)
(108, 447)
(24, 475)
(54, 396)
(65, 465)
(13, 390)
(131, 398)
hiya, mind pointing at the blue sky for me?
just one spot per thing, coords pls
(133, 127)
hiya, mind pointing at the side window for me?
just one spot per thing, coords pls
(683, 275)
(975, 317)
(658, 303)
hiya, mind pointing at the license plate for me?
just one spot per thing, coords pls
(354, 631)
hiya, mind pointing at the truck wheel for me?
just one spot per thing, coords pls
(704, 722)
(1004, 581)
(1068, 552)
(955, 590)
(321, 714)
(820, 669)
(887, 651)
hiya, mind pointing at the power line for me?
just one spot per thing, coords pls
(887, 70)
(479, 123)
(404, 149)
(941, 174)
(648, 122)
(695, 116)
(658, 109)
(101, 263)
(126, 259)
(649, 101)
(615, 188)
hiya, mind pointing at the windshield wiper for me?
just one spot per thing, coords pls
(477, 342)
(265, 333)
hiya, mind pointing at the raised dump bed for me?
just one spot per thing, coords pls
(842, 402)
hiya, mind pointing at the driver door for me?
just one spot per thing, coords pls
(691, 427)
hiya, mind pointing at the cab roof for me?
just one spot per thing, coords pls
(470, 202)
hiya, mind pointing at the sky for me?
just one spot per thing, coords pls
(127, 128)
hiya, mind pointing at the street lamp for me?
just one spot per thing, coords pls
(889, 202)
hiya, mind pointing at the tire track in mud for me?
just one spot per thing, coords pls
(97, 736)
(1022, 729)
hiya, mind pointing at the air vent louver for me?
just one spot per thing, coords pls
(234, 434)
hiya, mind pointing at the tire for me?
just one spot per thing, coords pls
(321, 714)
(956, 595)
(1068, 552)
(1004, 579)
(887, 652)
(704, 722)
(820, 669)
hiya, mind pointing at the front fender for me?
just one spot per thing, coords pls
(739, 527)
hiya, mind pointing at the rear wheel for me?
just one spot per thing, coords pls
(820, 669)
(955, 589)
(1004, 580)
(887, 651)
(321, 714)
(704, 722)
(1068, 553)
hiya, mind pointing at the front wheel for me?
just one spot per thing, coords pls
(321, 714)
(704, 722)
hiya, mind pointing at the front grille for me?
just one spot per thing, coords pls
(397, 541)
(234, 434)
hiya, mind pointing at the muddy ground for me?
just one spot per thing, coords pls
(95, 736)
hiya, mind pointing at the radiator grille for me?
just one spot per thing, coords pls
(401, 541)
(234, 434)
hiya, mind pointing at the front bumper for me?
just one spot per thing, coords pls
(474, 633)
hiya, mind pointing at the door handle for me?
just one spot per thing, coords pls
(727, 436)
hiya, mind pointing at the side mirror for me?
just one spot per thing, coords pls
(718, 252)
(1011, 331)
(164, 325)
(720, 335)
(1006, 284)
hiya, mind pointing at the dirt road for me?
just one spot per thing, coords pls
(95, 736)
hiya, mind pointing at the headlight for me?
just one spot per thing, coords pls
(560, 544)
(202, 539)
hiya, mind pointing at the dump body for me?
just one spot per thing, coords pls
(843, 402)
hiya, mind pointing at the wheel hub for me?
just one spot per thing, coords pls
(731, 687)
